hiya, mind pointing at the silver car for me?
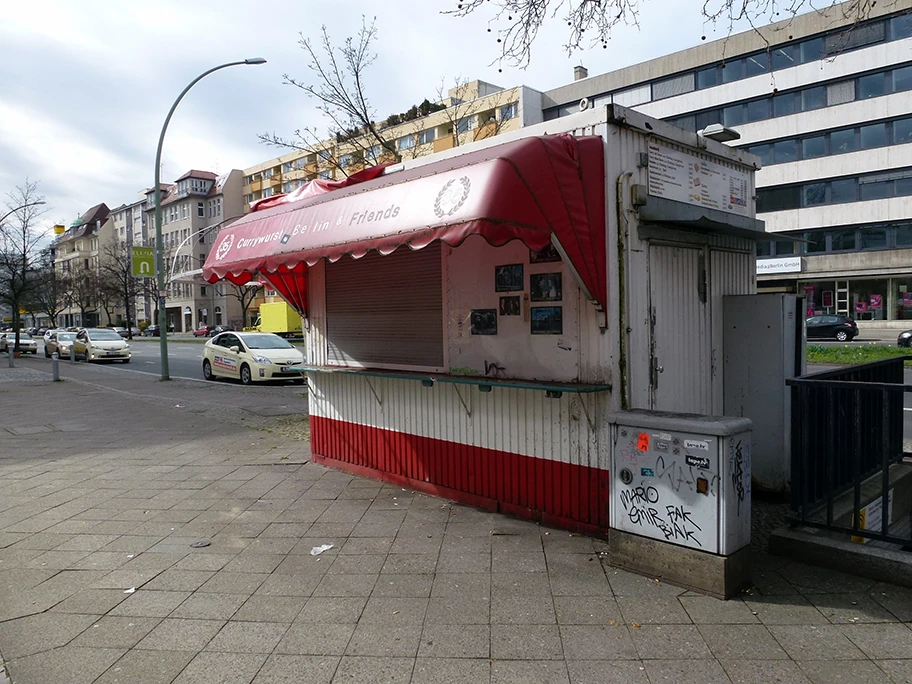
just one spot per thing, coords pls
(27, 344)
(59, 341)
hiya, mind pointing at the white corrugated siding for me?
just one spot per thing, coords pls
(518, 421)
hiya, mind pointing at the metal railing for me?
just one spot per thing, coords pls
(847, 442)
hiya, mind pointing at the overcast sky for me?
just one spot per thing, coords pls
(85, 84)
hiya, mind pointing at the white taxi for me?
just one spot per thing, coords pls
(252, 357)
(100, 344)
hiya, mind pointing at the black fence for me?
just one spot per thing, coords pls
(847, 436)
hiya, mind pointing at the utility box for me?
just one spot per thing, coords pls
(680, 505)
(763, 345)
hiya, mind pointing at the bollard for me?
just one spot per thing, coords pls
(9, 352)
(56, 366)
(72, 354)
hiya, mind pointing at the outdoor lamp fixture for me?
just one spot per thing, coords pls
(720, 133)
(159, 252)
(20, 208)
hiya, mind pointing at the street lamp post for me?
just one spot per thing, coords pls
(159, 251)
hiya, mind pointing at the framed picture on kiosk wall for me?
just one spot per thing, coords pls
(547, 255)
(508, 278)
(547, 320)
(545, 287)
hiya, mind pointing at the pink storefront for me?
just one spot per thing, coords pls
(473, 317)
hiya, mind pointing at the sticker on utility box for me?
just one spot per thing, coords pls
(696, 445)
(647, 472)
(642, 442)
(701, 462)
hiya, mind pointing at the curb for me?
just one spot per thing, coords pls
(807, 545)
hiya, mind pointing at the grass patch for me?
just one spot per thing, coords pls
(854, 354)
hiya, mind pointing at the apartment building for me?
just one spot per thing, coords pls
(193, 208)
(77, 255)
(130, 229)
(471, 111)
(825, 101)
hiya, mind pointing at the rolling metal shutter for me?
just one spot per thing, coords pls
(386, 310)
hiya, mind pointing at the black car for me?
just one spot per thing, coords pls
(152, 330)
(831, 326)
(905, 338)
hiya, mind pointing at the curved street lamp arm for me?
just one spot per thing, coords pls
(159, 251)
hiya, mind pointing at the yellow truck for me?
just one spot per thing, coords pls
(279, 318)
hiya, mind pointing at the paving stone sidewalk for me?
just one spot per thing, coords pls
(103, 493)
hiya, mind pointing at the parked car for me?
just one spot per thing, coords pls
(27, 344)
(904, 339)
(210, 330)
(51, 331)
(152, 330)
(134, 331)
(832, 326)
(100, 344)
(60, 341)
(252, 357)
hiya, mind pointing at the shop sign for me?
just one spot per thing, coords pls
(781, 265)
(680, 175)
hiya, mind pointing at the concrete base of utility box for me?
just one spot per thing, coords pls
(721, 576)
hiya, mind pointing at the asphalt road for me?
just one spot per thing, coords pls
(184, 358)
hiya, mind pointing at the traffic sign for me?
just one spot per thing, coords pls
(143, 262)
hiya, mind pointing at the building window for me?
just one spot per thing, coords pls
(465, 124)
(201, 209)
(813, 147)
(842, 141)
(843, 190)
(267, 192)
(406, 142)
(902, 79)
(813, 194)
(785, 57)
(872, 85)
(901, 27)
(325, 175)
(345, 161)
(873, 238)
(871, 136)
(287, 167)
(785, 151)
(288, 186)
(509, 111)
(372, 153)
(707, 78)
(426, 136)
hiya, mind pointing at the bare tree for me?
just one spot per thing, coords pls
(20, 248)
(340, 90)
(51, 294)
(85, 292)
(117, 282)
(515, 23)
(245, 294)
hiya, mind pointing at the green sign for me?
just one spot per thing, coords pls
(143, 262)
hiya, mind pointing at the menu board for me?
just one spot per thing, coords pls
(678, 175)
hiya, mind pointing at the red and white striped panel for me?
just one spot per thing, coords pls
(512, 450)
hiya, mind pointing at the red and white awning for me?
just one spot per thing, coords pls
(538, 190)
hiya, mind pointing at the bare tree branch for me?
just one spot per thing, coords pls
(515, 24)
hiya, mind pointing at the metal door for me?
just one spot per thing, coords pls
(680, 354)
